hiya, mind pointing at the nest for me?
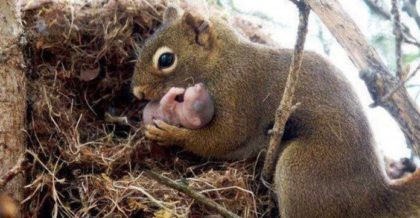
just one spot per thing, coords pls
(86, 146)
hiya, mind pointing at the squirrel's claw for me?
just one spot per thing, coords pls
(164, 133)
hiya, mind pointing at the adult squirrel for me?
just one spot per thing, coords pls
(328, 166)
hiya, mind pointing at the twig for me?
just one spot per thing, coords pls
(407, 37)
(13, 172)
(398, 86)
(286, 106)
(193, 194)
(417, 95)
(372, 70)
(412, 86)
(410, 7)
(378, 9)
(296, 2)
(398, 38)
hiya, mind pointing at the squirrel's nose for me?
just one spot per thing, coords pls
(138, 92)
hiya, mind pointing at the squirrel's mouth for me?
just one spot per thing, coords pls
(149, 92)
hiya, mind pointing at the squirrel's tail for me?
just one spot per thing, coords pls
(406, 193)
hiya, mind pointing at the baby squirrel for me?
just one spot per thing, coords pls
(193, 111)
(328, 166)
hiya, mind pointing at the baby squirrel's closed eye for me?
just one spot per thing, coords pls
(198, 106)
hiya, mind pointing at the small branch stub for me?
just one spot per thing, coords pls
(13, 172)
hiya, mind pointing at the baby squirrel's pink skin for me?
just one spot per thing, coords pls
(194, 112)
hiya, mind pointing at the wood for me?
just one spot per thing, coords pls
(12, 97)
(286, 106)
(376, 76)
(410, 8)
(12, 173)
(193, 194)
(382, 12)
(398, 38)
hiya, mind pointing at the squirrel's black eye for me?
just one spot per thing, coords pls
(166, 60)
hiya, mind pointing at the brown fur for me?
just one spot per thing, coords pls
(328, 167)
(8, 207)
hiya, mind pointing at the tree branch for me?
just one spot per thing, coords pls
(12, 96)
(378, 9)
(407, 37)
(286, 106)
(400, 84)
(13, 172)
(409, 6)
(374, 73)
(193, 194)
(398, 38)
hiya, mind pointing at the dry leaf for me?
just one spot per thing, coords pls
(89, 74)
(163, 213)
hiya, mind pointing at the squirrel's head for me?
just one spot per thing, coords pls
(175, 55)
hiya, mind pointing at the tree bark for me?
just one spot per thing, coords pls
(12, 97)
(376, 76)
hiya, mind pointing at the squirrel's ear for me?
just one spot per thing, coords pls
(200, 25)
(171, 13)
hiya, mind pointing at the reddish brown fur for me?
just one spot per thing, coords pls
(328, 167)
(8, 207)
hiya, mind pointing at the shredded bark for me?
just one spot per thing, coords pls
(86, 146)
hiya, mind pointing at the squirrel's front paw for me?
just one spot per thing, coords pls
(165, 134)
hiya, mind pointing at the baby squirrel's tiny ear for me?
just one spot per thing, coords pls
(201, 26)
(171, 13)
